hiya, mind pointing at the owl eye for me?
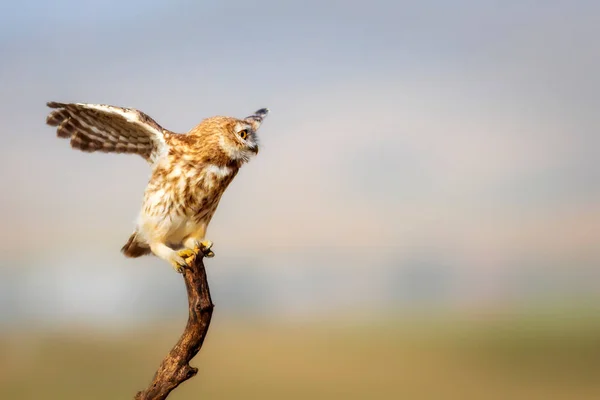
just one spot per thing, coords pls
(243, 133)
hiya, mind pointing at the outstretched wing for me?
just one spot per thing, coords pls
(110, 129)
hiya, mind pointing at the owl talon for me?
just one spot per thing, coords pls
(178, 262)
(188, 255)
(178, 268)
(205, 249)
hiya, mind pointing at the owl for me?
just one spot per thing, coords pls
(190, 171)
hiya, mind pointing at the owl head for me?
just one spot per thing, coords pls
(237, 138)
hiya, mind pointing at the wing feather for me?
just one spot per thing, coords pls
(110, 129)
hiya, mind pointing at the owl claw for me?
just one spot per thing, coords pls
(178, 268)
(205, 249)
(178, 262)
(186, 257)
(183, 258)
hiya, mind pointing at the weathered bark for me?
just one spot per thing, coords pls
(175, 368)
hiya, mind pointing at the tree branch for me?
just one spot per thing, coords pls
(175, 368)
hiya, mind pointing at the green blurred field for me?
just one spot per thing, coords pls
(443, 359)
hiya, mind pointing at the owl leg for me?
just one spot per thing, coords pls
(199, 246)
(176, 259)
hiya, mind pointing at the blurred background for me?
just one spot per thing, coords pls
(423, 219)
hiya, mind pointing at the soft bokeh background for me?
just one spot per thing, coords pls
(423, 220)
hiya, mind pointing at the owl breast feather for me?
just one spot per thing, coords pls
(189, 191)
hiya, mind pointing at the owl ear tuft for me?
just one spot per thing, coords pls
(257, 118)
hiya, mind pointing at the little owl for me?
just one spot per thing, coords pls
(190, 171)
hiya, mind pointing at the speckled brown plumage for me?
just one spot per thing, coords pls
(190, 171)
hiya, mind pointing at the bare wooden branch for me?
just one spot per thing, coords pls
(175, 368)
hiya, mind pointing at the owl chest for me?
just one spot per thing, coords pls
(190, 192)
(202, 196)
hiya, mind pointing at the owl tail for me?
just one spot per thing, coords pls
(135, 247)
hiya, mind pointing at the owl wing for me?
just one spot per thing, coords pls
(110, 129)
